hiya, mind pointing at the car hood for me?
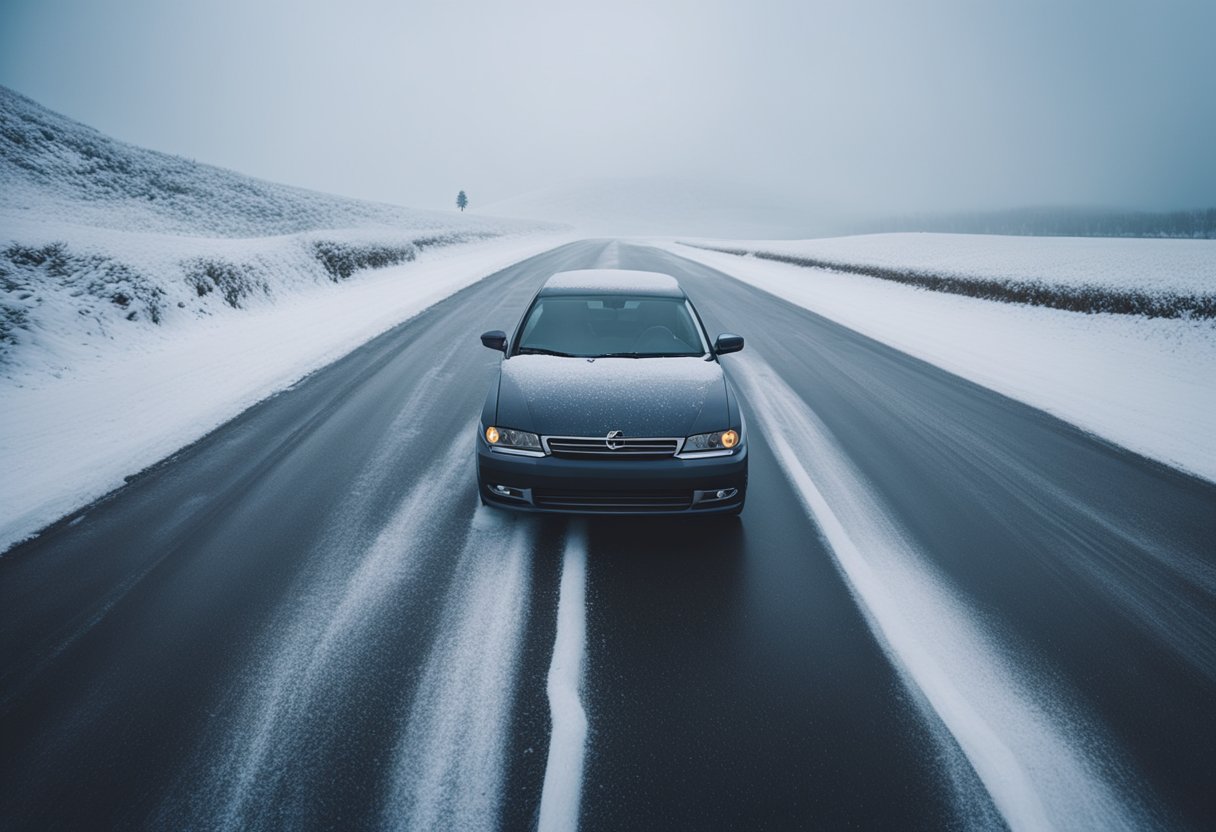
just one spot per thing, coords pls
(557, 396)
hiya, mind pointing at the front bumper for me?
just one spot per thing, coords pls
(555, 485)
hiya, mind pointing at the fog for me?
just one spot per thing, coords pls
(858, 107)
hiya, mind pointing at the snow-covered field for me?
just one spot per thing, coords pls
(1146, 384)
(1147, 264)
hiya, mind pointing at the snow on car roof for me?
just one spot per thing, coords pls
(612, 281)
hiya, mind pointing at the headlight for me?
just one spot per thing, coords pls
(707, 443)
(517, 439)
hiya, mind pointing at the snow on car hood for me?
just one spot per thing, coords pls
(558, 396)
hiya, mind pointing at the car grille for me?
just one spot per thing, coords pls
(584, 447)
(639, 501)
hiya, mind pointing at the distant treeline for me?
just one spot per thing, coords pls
(1063, 222)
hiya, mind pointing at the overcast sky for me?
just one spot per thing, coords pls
(877, 107)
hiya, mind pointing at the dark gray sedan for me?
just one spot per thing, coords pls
(610, 400)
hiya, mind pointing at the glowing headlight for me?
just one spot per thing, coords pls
(723, 440)
(508, 438)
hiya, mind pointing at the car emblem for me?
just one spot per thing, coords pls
(613, 439)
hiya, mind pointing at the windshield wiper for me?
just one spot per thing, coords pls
(543, 351)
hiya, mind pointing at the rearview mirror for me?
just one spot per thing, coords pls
(728, 343)
(495, 339)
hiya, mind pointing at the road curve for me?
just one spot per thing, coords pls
(941, 608)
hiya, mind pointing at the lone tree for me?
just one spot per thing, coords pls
(462, 200)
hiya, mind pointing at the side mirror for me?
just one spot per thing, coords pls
(495, 339)
(728, 343)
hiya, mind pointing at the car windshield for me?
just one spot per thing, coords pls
(610, 326)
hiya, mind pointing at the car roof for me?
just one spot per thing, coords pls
(612, 282)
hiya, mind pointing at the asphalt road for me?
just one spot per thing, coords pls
(963, 613)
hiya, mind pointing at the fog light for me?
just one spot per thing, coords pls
(507, 491)
(714, 495)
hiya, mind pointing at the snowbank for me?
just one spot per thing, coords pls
(1146, 384)
(69, 292)
(66, 441)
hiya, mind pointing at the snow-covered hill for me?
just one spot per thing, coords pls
(54, 167)
(664, 207)
(100, 240)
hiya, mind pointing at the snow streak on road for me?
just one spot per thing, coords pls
(560, 799)
(1045, 765)
(450, 760)
(320, 638)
